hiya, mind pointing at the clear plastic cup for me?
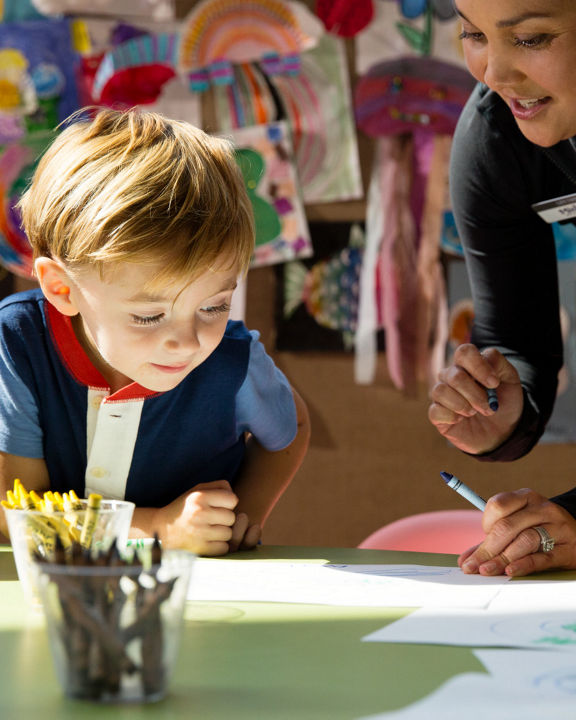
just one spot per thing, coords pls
(115, 630)
(34, 533)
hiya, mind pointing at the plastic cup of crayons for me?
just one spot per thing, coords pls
(115, 623)
(94, 524)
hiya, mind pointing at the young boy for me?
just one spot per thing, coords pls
(122, 374)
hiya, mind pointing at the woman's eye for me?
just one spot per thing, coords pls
(533, 42)
(216, 309)
(147, 319)
(475, 36)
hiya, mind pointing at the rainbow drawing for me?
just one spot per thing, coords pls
(245, 31)
(139, 53)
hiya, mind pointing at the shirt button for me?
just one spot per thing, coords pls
(98, 472)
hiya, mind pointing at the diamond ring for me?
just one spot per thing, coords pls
(546, 542)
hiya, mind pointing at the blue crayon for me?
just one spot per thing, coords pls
(453, 482)
(492, 398)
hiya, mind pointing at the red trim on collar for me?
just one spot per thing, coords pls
(78, 363)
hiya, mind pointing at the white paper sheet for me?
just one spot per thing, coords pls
(353, 585)
(536, 595)
(522, 685)
(484, 628)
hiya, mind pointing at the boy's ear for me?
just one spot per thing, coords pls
(55, 284)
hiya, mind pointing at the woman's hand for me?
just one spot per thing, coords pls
(459, 409)
(512, 545)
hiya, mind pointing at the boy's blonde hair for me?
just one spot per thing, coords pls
(136, 186)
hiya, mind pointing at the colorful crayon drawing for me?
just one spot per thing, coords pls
(17, 92)
(134, 71)
(345, 17)
(329, 289)
(317, 303)
(556, 630)
(413, 28)
(218, 33)
(411, 94)
(317, 105)
(271, 181)
(17, 163)
(37, 76)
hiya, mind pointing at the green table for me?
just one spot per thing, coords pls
(256, 661)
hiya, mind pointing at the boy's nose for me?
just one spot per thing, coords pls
(182, 338)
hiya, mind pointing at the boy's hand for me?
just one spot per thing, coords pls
(202, 519)
(244, 535)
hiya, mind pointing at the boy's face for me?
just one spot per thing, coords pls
(153, 338)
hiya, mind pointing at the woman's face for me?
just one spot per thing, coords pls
(525, 50)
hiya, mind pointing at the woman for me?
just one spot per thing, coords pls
(515, 146)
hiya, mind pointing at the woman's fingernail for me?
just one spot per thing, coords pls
(470, 566)
(490, 568)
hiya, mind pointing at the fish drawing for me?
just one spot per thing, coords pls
(329, 288)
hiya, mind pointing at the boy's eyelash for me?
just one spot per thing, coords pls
(147, 319)
(215, 309)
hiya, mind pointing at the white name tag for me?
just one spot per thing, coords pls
(555, 209)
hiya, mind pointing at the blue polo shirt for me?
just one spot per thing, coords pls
(137, 444)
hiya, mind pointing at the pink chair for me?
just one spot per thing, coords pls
(441, 531)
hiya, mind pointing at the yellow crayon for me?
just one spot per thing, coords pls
(21, 495)
(76, 502)
(42, 534)
(12, 499)
(58, 501)
(6, 504)
(90, 519)
(26, 502)
(59, 525)
(71, 517)
(36, 499)
(48, 505)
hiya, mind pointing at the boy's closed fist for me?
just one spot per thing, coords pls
(202, 519)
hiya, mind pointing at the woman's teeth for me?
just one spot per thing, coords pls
(528, 103)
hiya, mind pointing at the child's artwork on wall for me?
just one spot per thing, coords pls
(407, 194)
(345, 17)
(18, 10)
(37, 91)
(135, 70)
(17, 163)
(218, 33)
(402, 28)
(317, 305)
(265, 158)
(37, 77)
(411, 104)
(316, 103)
(411, 94)
(318, 106)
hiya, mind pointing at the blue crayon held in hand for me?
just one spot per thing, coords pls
(453, 482)
(492, 398)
